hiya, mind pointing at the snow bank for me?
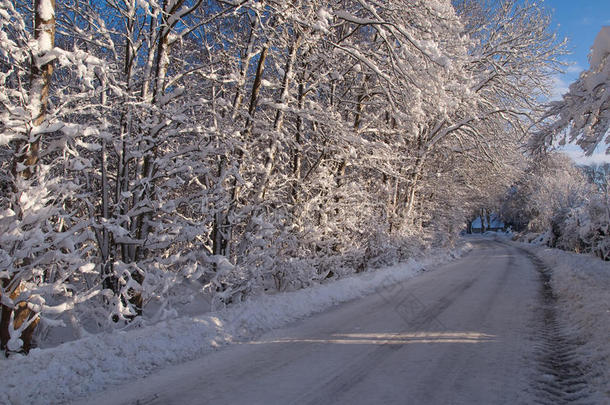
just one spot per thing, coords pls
(582, 285)
(97, 362)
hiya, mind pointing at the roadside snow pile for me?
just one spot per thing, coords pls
(582, 286)
(96, 362)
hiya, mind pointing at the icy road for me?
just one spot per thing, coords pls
(481, 330)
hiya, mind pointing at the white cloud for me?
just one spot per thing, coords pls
(560, 87)
(562, 81)
(574, 68)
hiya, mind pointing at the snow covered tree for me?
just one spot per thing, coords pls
(582, 116)
(239, 146)
(43, 242)
(554, 202)
(511, 55)
(24, 116)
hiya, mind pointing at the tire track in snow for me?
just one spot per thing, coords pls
(561, 377)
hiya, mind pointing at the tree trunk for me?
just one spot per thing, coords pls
(275, 141)
(18, 317)
(412, 187)
(235, 187)
(279, 119)
(221, 228)
(297, 155)
(40, 81)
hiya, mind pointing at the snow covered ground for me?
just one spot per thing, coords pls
(97, 362)
(480, 330)
(464, 333)
(582, 286)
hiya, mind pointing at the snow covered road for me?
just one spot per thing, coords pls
(473, 331)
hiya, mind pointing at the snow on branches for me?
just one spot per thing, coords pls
(228, 148)
(582, 116)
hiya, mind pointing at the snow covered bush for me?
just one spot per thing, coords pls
(587, 229)
(555, 199)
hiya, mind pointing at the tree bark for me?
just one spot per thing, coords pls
(236, 188)
(24, 162)
(221, 228)
(279, 119)
(40, 81)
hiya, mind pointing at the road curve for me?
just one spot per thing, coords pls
(463, 333)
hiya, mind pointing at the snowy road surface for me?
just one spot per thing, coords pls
(471, 332)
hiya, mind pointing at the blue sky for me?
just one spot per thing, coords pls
(579, 21)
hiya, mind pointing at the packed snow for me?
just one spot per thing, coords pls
(99, 361)
(447, 336)
(582, 285)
